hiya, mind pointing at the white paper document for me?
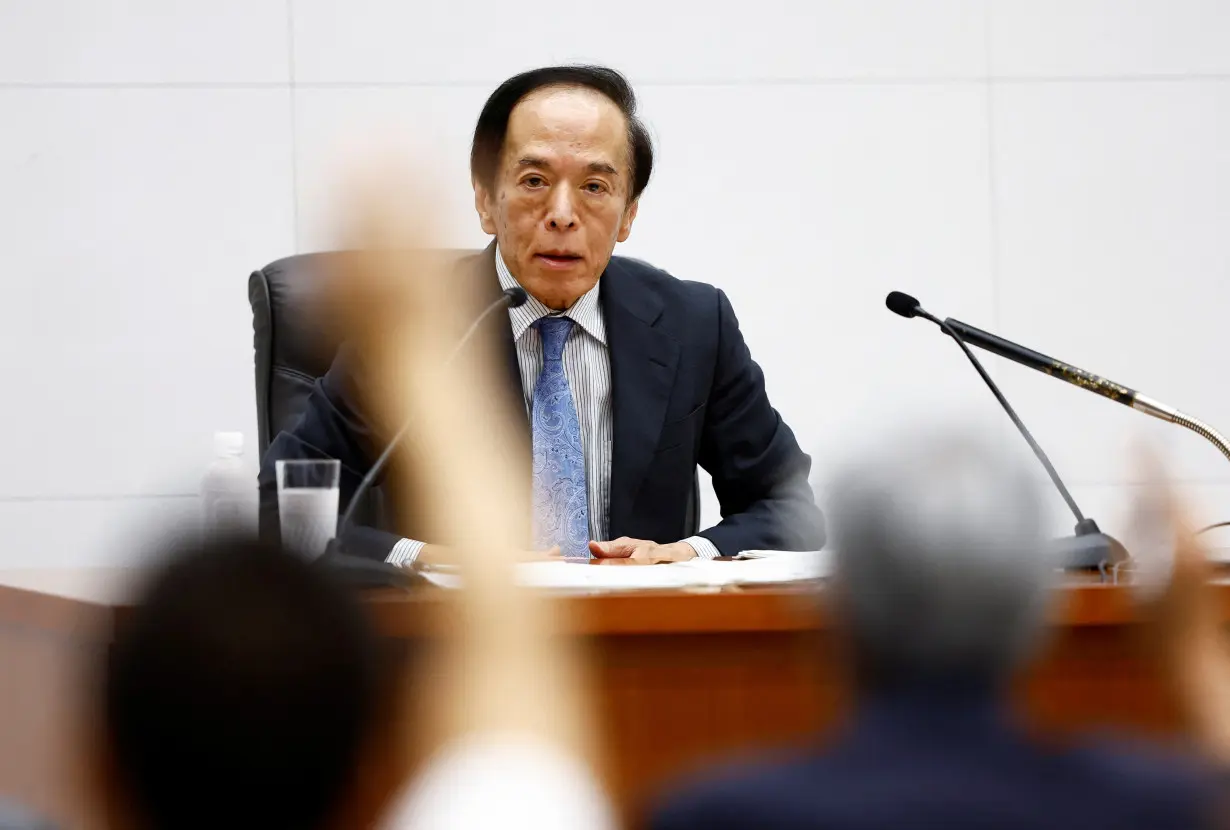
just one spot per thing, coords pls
(769, 554)
(785, 566)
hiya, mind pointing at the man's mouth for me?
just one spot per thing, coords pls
(557, 259)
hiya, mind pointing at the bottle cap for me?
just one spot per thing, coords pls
(228, 443)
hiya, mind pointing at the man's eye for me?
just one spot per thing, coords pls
(595, 187)
(535, 181)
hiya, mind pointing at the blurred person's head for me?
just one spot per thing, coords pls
(244, 690)
(941, 565)
(558, 162)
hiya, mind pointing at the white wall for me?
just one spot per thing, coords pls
(1054, 170)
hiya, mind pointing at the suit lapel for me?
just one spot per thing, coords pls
(644, 360)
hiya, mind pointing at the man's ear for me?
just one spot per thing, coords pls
(484, 204)
(625, 224)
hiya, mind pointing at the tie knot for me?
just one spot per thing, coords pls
(553, 331)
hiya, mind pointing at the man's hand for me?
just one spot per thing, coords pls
(640, 550)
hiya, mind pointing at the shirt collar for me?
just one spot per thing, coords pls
(585, 312)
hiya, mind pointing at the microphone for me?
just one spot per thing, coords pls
(1087, 380)
(368, 573)
(1089, 547)
(901, 303)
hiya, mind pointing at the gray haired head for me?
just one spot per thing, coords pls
(941, 567)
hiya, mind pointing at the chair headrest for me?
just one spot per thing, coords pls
(297, 340)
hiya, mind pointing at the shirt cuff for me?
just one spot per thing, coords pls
(405, 552)
(703, 547)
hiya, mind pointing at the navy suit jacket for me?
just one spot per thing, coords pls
(685, 391)
(956, 765)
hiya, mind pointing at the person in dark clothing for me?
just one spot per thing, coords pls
(243, 690)
(941, 586)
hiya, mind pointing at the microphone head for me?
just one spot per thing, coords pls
(901, 303)
(516, 297)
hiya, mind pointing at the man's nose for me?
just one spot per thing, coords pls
(561, 215)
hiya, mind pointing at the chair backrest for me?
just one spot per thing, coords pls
(291, 349)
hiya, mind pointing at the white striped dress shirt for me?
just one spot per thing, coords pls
(587, 365)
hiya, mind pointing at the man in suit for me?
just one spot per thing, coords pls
(940, 591)
(630, 377)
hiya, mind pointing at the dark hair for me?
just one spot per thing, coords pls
(241, 690)
(493, 120)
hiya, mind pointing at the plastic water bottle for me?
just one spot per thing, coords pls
(228, 492)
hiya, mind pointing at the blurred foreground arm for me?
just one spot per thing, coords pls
(513, 679)
(1190, 637)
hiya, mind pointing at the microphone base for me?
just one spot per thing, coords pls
(1088, 552)
(359, 572)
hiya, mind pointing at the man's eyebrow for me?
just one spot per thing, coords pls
(592, 167)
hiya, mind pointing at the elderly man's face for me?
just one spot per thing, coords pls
(560, 199)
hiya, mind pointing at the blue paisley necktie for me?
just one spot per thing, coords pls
(561, 509)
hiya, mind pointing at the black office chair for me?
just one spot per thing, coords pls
(292, 352)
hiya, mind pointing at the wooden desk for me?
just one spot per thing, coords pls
(680, 679)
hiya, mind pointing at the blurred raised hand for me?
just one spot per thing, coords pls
(1182, 609)
(402, 314)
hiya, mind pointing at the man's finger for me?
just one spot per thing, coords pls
(611, 550)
